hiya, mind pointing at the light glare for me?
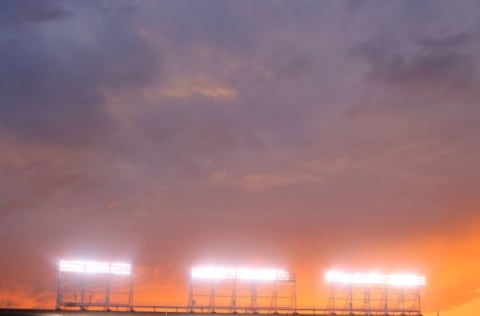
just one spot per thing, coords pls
(402, 279)
(95, 267)
(223, 273)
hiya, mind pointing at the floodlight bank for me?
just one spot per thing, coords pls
(401, 279)
(95, 267)
(224, 273)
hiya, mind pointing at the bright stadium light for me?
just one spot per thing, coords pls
(95, 267)
(400, 280)
(223, 273)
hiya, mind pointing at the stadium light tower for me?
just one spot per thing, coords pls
(101, 281)
(228, 287)
(374, 293)
(92, 267)
(220, 273)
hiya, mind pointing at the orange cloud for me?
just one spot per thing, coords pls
(186, 88)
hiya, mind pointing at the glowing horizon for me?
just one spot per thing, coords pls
(398, 279)
(95, 267)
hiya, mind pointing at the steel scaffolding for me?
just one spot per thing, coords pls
(243, 296)
(94, 291)
(354, 299)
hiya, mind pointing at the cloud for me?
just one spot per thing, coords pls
(421, 46)
(427, 60)
(188, 88)
(54, 86)
(171, 125)
(30, 12)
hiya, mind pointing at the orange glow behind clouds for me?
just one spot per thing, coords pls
(453, 276)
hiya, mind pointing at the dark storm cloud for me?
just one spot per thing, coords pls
(422, 43)
(31, 11)
(446, 59)
(53, 86)
(448, 42)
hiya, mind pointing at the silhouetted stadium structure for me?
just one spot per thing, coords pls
(105, 288)
(373, 300)
(374, 293)
(94, 285)
(242, 290)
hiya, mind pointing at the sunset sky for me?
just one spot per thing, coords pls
(304, 135)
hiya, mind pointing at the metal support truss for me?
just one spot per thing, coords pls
(242, 296)
(94, 291)
(373, 300)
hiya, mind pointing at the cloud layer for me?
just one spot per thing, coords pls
(242, 132)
